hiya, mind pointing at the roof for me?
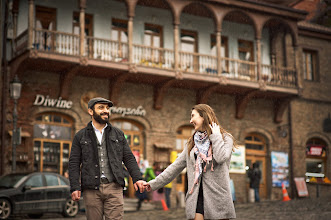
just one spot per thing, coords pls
(313, 27)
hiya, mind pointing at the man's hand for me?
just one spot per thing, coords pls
(75, 195)
(215, 129)
(147, 187)
(139, 184)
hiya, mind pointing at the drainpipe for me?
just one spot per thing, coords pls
(4, 65)
(291, 151)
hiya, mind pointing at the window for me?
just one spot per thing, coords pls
(310, 65)
(246, 54)
(183, 134)
(153, 38)
(224, 51)
(119, 33)
(316, 157)
(45, 23)
(52, 142)
(189, 45)
(51, 180)
(34, 181)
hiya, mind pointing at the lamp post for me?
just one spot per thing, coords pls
(15, 93)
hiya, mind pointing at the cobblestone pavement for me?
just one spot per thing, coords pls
(298, 209)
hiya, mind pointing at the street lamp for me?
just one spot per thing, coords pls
(15, 93)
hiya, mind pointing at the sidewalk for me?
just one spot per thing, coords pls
(298, 209)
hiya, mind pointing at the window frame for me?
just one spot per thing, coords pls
(314, 76)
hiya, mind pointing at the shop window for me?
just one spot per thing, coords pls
(52, 142)
(316, 157)
(310, 65)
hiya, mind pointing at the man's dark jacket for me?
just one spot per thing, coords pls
(84, 159)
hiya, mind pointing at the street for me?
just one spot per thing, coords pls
(297, 209)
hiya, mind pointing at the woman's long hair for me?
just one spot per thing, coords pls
(208, 115)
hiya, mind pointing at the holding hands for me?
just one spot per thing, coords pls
(215, 128)
(142, 186)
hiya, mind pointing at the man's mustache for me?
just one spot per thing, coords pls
(104, 114)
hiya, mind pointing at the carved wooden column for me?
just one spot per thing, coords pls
(15, 14)
(82, 7)
(219, 55)
(130, 39)
(30, 24)
(176, 45)
(296, 66)
(258, 45)
(131, 5)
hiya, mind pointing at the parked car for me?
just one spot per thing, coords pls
(34, 194)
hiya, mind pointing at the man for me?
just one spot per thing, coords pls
(95, 164)
(255, 177)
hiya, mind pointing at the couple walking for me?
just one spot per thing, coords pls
(98, 150)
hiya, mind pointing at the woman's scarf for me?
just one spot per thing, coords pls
(203, 151)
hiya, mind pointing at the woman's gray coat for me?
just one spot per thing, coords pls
(217, 196)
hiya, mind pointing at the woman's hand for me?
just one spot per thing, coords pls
(215, 128)
(147, 187)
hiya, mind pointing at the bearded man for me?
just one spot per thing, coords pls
(95, 164)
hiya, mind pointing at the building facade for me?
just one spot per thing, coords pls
(260, 65)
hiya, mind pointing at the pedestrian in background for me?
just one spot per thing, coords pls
(207, 159)
(95, 164)
(255, 177)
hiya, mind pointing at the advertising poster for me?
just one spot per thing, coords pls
(238, 160)
(301, 186)
(279, 163)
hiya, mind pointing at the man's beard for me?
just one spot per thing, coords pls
(99, 119)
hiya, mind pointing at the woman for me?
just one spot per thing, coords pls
(207, 159)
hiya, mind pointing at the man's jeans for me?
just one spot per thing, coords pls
(167, 195)
(256, 193)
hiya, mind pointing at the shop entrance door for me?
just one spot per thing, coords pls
(250, 159)
(256, 152)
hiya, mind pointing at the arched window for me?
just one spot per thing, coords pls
(316, 157)
(183, 134)
(52, 142)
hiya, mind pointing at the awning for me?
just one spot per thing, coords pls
(23, 133)
(163, 146)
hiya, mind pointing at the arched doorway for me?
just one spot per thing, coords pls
(134, 136)
(52, 134)
(256, 152)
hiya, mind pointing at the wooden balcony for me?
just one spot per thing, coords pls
(55, 42)
(60, 52)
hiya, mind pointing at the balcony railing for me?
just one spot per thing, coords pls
(20, 43)
(109, 50)
(239, 69)
(56, 42)
(153, 57)
(197, 63)
(279, 76)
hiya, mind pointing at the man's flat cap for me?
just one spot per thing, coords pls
(96, 100)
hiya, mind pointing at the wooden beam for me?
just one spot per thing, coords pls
(159, 92)
(280, 106)
(115, 86)
(66, 82)
(242, 102)
(204, 94)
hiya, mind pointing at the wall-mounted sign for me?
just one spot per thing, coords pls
(314, 150)
(238, 160)
(279, 164)
(41, 100)
(139, 111)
